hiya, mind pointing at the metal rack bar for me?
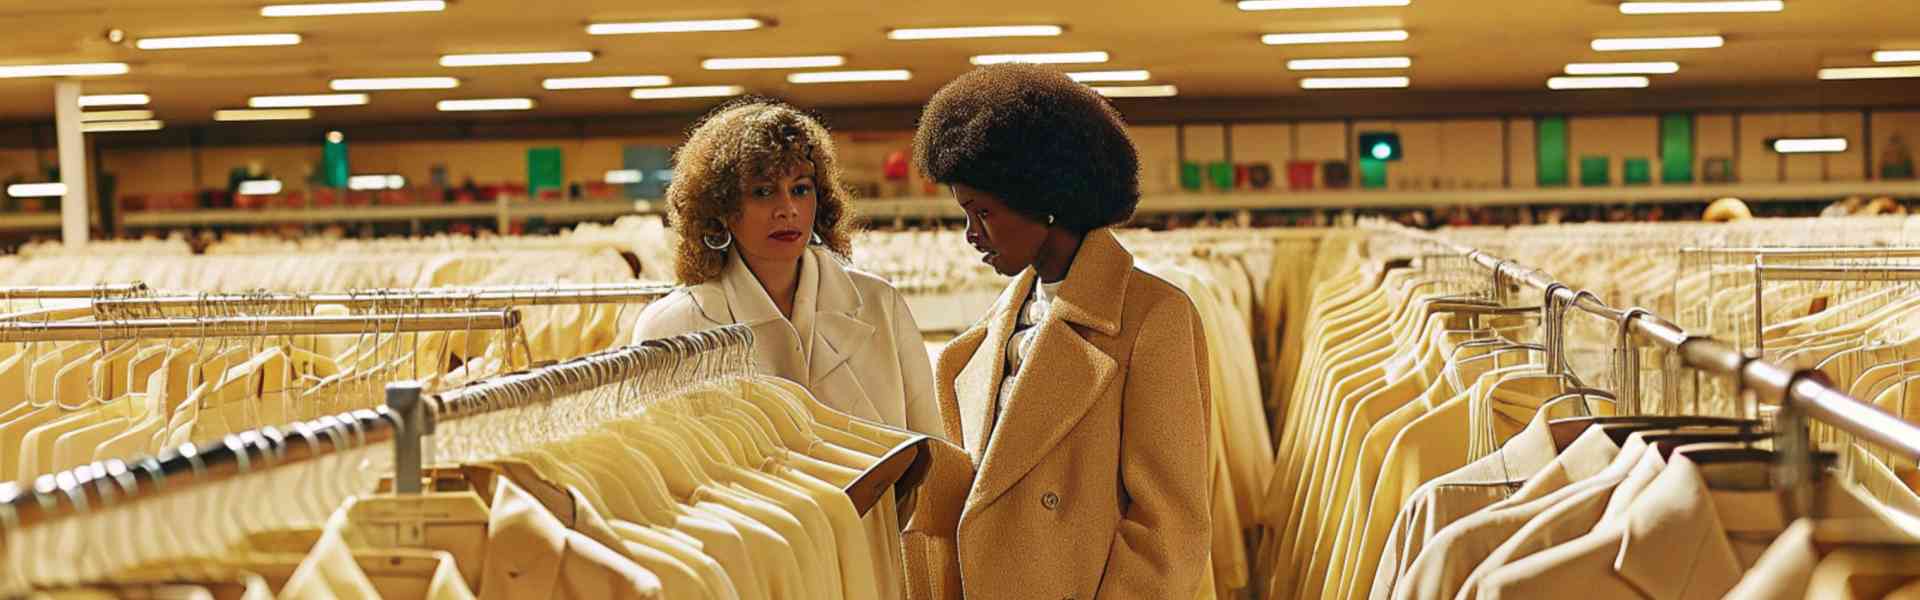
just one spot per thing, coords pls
(1799, 393)
(30, 331)
(454, 298)
(49, 292)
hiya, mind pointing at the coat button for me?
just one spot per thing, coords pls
(1050, 500)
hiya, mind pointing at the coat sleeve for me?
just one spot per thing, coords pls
(1160, 547)
(916, 371)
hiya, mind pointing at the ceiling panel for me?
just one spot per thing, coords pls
(1209, 49)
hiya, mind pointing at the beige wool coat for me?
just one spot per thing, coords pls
(851, 341)
(1094, 483)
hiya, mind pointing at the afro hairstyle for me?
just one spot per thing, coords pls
(1039, 141)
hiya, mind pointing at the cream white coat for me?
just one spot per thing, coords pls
(852, 341)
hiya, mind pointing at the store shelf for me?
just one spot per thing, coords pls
(571, 212)
(943, 207)
(550, 211)
(30, 222)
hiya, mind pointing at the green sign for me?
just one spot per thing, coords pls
(1676, 148)
(1637, 171)
(544, 170)
(1593, 171)
(1373, 174)
(1550, 150)
(333, 161)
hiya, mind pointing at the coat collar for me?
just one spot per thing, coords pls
(828, 335)
(736, 297)
(1674, 536)
(1096, 286)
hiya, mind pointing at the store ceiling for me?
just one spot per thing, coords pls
(1208, 48)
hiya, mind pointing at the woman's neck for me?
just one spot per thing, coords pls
(780, 279)
(1056, 255)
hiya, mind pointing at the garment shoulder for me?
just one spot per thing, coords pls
(873, 288)
(1149, 294)
(674, 314)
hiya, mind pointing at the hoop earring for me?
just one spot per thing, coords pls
(720, 243)
(817, 241)
(1049, 219)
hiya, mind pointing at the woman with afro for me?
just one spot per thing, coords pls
(764, 228)
(1082, 397)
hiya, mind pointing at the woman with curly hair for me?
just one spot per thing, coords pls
(764, 228)
(1083, 395)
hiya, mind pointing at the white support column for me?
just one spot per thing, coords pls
(73, 163)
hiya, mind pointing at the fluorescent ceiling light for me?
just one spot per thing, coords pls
(218, 41)
(1896, 56)
(1595, 83)
(1326, 64)
(1870, 72)
(624, 176)
(260, 187)
(1334, 37)
(485, 104)
(1252, 5)
(114, 100)
(1099, 76)
(689, 91)
(992, 31)
(621, 81)
(1137, 91)
(1353, 83)
(1805, 145)
(394, 83)
(111, 126)
(307, 100)
(674, 26)
(37, 190)
(115, 115)
(515, 58)
(66, 70)
(851, 76)
(1042, 58)
(352, 8)
(267, 114)
(773, 62)
(1717, 6)
(376, 182)
(1659, 43)
(1623, 68)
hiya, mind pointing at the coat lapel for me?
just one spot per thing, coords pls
(838, 333)
(1065, 374)
(979, 382)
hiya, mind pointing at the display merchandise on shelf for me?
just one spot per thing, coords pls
(504, 210)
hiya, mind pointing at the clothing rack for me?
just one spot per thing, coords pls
(49, 292)
(1802, 395)
(33, 331)
(1763, 272)
(405, 418)
(409, 299)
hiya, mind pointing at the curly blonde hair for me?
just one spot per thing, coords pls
(741, 141)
